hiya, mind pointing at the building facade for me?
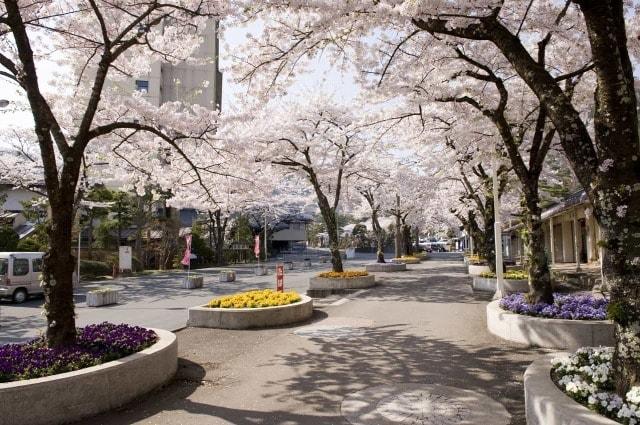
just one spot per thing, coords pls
(571, 233)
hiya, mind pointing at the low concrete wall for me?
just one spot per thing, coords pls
(71, 396)
(548, 333)
(489, 284)
(351, 283)
(248, 318)
(406, 260)
(546, 404)
(476, 270)
(385, 267)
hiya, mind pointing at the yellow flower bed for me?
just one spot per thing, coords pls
(347, 274)
(410, 257)
(255, 299)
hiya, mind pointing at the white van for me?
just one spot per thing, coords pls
(20, 275)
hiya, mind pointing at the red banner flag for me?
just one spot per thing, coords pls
(256, 246)
(186, 260)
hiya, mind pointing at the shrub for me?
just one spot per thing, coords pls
(511, 275)
(8, 238)
(95, 344)
(347, 274)
(94, 268)
(255, 299)
(29, 245)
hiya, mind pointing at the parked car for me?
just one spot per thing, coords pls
(20, 275)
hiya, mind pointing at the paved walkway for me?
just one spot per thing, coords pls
(155, 300)
(402, 352)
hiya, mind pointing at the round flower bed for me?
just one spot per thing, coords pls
(252, 309)
(407, 259)
(95, 344)
(62, 385)
(328, 283)
(385, 267)
(565, 306)
(571, 322)
(509, 274)
(255, 299)
(587, 377)
(347, 274)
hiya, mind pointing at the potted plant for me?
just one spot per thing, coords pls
(227, 276)
(102, 296)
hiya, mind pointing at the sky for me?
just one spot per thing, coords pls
(323, 77)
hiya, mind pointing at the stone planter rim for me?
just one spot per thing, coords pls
(547, 332)
(165, 338)
(251, 318)
(546, 404)
(550, 319)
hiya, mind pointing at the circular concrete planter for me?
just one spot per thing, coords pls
(546, 404)
(324, 283)
(250, 318)
(477, 270)
(260, 270)
(489, 284)
(385, 267)
(70, 396)
(548, 333)
(406, 260)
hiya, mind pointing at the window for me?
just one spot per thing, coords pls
(20, 266)
(4, 265)
(142, 86)
(36, 265)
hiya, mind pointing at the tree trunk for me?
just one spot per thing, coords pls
(58, 275)
(377, 230)
(219, 233)
(329, 217)
(406, 238)
(540, 290)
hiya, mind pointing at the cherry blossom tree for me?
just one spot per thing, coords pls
(605, 160)
(93, 42)
(317, 141)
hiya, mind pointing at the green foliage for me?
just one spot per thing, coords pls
(201, 248)
(242, 230)
(29, 245)
(8, 238)
(90, 268)
(620, 312)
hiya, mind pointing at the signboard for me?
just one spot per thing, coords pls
(124, 258)
(280, 278)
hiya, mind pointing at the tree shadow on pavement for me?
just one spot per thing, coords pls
(446, 285)
(175, 397)
(385, 355)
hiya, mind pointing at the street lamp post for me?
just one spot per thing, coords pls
(497, 229)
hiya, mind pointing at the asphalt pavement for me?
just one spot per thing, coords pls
(412, 350)
(157, 300)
